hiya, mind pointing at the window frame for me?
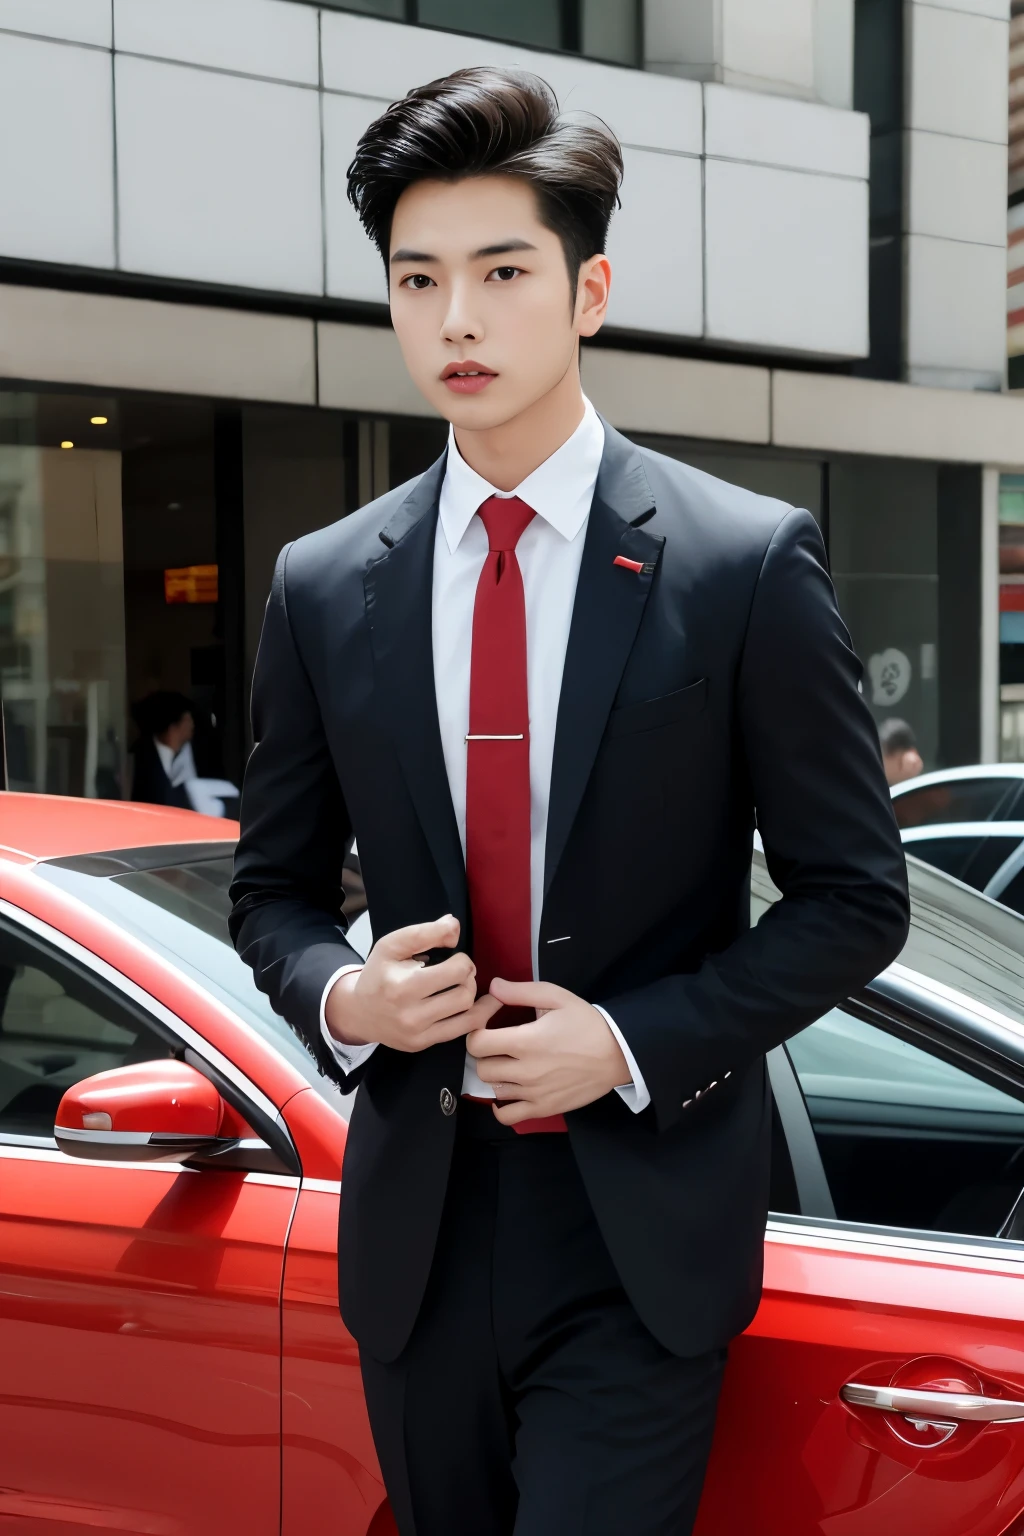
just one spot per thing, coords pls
(979, 832)
(1012, 774)
(570, 28)
(272, 1151)
(933, 1017)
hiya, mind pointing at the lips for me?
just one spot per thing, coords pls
(467, 378)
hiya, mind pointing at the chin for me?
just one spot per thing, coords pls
(475, 413)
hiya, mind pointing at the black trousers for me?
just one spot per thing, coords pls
(530, 1398)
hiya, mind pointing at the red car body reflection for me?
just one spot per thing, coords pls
(172, 1358)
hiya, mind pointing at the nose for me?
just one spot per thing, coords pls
(460, 323)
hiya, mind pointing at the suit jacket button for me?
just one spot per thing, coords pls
(447, 1102)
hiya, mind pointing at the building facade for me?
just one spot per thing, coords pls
(810, 299)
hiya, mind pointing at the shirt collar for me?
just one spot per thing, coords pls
(560, 490)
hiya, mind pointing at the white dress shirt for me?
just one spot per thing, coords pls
(549, 553)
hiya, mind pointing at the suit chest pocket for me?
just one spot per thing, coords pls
(654, 714)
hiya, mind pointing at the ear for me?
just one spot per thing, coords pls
(593, 288)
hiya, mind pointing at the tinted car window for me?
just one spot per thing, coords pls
(971, 859)
(956, 800)
(55, 1029)
(1012, 895)
(181, 910)
(907, 1140)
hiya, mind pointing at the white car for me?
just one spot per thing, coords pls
(969, 822)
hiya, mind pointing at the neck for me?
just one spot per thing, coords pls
(506, 454)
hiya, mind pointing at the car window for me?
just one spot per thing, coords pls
(1012, 895)
(955, 800)
(907, 1139)
(970, 858)
(55, 1029)
(181, 910)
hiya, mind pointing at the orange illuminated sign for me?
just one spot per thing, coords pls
(191, 584)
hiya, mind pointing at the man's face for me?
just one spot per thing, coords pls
(180, 732)
(479, 286)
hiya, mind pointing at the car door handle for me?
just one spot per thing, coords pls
(962, 1407)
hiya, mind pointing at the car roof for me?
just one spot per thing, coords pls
(952, 775)
(60, 826)
(933, 829)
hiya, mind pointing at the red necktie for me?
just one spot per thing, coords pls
(498, 768)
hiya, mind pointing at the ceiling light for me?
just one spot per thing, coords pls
(67, 443)
(98, 421)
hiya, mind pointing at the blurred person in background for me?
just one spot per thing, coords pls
(900, 756)
(164, 763)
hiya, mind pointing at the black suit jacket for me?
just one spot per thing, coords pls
(716, 683)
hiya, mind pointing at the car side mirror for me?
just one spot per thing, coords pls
(153, 1112)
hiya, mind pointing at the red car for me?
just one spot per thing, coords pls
(172, 1360)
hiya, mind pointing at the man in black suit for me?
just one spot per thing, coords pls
(549, 684)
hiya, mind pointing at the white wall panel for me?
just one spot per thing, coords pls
(219, 177)
(354, 269)
(77, 21)
(681, 396)
(957, 188)
(958, 74)
(777, 130)
(56, 153)
(655, 246)
(250, 37)
(998, 10)
(956, 319)
(119, 343)
(786, 259)
(385, 60)
(774, 42)
(833, 52)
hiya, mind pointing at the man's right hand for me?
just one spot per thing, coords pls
(399, 1001)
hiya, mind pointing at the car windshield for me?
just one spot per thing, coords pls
(176, 901)
(957, 936)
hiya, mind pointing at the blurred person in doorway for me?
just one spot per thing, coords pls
(553, 669)
(900, 757)
(164, 763)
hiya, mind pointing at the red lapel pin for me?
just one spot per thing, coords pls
(630, 565)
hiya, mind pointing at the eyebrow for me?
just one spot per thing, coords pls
(502, 248)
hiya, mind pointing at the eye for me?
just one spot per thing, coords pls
(417, 281)
(504, 274)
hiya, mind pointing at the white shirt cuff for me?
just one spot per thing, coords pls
(634, 1095)
(348, 1057)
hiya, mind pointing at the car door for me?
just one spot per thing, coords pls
(887, 1287)
(139, 1303)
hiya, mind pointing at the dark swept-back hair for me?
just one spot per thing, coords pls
(486, 122)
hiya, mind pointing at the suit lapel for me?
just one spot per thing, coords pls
(397, 590)
(610, 602)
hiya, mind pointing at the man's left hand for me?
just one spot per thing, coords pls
(567, 1058)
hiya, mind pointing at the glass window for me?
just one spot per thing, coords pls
(957, 800)
(971, 859)
(907, 1140)
(55, 1029)
(599, 29)
(62, 646)
(883, 536)
(181, 911)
